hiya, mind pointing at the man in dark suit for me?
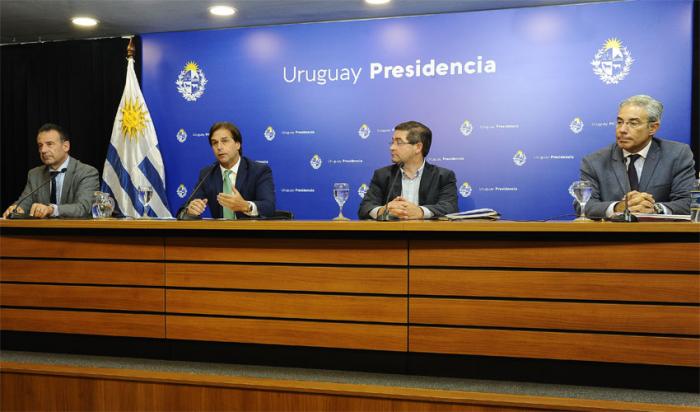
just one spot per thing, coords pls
(654, 175)
(239, 186)
(422, 191)
(72, 183)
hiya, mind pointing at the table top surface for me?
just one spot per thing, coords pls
(356, 226)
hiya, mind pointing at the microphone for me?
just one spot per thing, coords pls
(385, 215)
(25, 215)
(182, 213)
(626, 215)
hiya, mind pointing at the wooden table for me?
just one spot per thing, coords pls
(605, 292)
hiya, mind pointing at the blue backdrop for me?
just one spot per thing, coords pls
(515, 98)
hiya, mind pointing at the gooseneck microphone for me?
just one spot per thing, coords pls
(25, 215)
(385, 215)
(182, 213)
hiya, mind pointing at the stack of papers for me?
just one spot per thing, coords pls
(652, 217)
(484, 213)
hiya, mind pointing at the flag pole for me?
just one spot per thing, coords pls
(131, 48)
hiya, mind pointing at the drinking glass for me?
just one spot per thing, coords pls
(581, 190)
(145, 195)
(341, 192)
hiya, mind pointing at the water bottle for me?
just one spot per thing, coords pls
(695, 201)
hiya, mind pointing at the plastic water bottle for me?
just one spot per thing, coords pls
(695, 201)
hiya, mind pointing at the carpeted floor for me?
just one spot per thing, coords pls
(409, 381)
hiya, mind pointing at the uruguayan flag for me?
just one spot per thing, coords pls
(133, 158)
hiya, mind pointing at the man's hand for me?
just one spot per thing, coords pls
(638, 202)
(11, 209)
(41, 210)
(196, 207)
(403, 209)
(233, 201)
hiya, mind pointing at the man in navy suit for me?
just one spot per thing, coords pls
(239, 186)
(654, 175)
(420, 190)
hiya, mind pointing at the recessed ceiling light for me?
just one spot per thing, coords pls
(84, 21)
(375, 2)
(222, 10)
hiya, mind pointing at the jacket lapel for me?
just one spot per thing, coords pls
(426, 183)
(67, 181)
(650, 164)
(216, 186)
(242, 177)
(44, 194)
(618, 164)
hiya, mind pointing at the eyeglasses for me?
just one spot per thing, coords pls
(632, 124)
(398, 143)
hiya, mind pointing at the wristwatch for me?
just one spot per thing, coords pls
(250, 207)
(658, 209)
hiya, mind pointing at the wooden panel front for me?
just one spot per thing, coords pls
(591, 255)
(83, 322)
(90, 247)
(556, 345)
(281, 305)
(83, 297)
(288, 332)
(678, 320)
(297, 278)
(317, 251)
(636, 287)
(83, 271)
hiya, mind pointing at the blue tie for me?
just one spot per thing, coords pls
(632, 172)
(53, 188)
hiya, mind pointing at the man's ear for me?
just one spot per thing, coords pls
(654, 127)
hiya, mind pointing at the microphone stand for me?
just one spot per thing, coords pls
(384, 217)
(25, 215)
(626, 215)
(182, 213)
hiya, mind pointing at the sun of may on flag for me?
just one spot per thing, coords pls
(134, 173)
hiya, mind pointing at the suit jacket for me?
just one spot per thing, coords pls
(253, 181)
(79, 186)
(437, 191)
(668, 175)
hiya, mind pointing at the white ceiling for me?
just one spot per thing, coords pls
(24, 21)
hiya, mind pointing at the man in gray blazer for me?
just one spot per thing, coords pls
(654, 175)
(71, 186)
(418, 189)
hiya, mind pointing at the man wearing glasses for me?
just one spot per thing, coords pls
(410, 188)
(654, 175)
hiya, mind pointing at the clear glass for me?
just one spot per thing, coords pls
(581, 190)
(145, 195)
(103, 205)
(341, 193)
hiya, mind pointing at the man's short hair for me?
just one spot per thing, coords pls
(235, 133)
(653, 107)
(47, 127)
(417, 133)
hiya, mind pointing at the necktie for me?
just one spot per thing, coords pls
(228, 213)
(632, 172)
(53, 188)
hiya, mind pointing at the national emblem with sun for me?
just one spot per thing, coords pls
(133, 119)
